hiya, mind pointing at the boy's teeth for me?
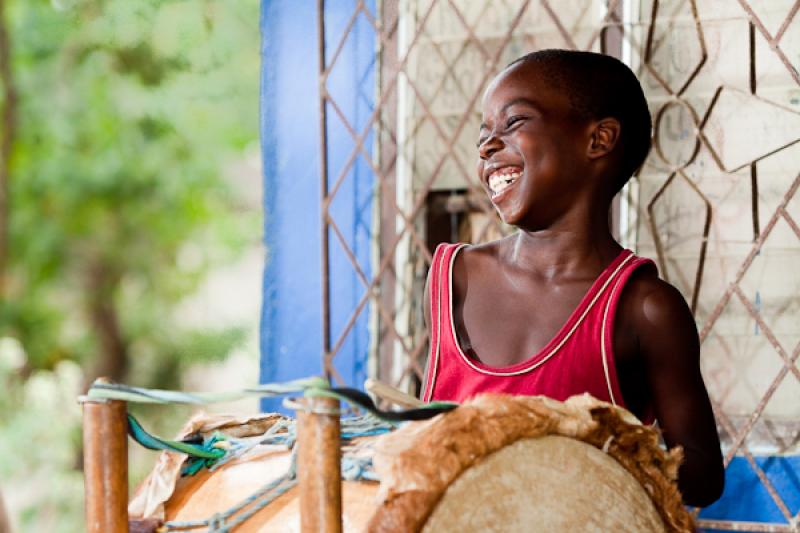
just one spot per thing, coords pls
(498, 182)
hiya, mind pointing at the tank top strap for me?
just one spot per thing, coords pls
(609, 308)
(438, 297)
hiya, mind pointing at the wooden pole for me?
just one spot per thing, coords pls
(319, 466)
(105, 465)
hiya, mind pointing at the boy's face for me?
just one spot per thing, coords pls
(531, 147)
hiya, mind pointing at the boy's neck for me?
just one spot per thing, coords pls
(571, 246)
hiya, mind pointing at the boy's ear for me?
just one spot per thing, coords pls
(604, 137)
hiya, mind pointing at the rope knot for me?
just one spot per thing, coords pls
(216, 522)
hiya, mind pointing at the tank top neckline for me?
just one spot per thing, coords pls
(552, 347)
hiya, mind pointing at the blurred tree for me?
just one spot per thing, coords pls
(7, 130)
(118, 120)
(117, 206)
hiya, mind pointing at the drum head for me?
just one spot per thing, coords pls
(551, 483)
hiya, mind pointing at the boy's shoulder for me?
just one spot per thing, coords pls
(477, 260)
(487, 251)
(651, 298)
(656, 312)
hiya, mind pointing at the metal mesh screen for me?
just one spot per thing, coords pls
(715, 202)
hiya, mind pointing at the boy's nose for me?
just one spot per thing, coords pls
(490, 146)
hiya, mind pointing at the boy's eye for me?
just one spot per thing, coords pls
(514, 120)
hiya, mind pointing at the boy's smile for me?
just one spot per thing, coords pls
(501, 178)
(527, 147)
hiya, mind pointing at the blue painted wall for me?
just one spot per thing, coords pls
(745, 498)
(291, 338)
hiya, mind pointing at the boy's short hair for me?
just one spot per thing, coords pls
(600, 86)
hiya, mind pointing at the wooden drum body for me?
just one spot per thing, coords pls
(199, 496)
(497, 463)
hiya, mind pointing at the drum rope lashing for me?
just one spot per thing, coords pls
(218, 522)
(202, 454)
(218, 449)
(284, 432)
(314, 386)
(212, 450)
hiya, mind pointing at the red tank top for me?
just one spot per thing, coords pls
(580, 358)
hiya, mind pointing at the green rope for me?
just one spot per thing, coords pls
(101, 390)
(151, 442)
(313, 386)
(205, 454)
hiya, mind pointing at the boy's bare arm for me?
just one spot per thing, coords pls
(670, 348)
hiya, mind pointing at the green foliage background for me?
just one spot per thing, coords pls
(129, 112)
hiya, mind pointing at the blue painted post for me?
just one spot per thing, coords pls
(291, 340)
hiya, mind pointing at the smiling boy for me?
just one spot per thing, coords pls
(559, 307)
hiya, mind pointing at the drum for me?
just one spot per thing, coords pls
(190, 503)
(496, 463)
